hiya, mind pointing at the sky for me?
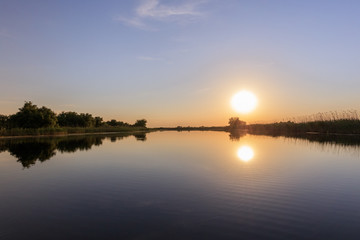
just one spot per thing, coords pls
(180, 62)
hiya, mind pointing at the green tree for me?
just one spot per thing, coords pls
(68, 119)
(3, 121)
(112, 123)
(98, 121)
(115, 123)
(48, 117)
(86, 120)
(73, 119)
(30, 116)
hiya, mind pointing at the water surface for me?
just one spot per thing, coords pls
(179, 185)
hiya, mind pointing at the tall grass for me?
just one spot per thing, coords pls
(31, 131)
(346, 122)
(327, 116)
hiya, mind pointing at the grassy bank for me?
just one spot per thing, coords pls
(65, 130)
(340, 126)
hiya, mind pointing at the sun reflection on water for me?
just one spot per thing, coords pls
(245, 153)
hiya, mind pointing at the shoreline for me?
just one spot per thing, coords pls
(74, 134)
(175, 129)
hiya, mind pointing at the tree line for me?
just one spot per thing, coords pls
(32, 116)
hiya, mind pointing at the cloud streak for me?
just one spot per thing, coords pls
(156, 11)
(153, 9)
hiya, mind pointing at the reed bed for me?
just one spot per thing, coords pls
(345, 122)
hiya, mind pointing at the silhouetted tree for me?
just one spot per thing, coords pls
(236, 123)
(68, 119)
(86, 120)
(115, 123)
(140, 123)
(73, 119)
(112, 122)
(3, 121)
(30, 116)
(98, 121)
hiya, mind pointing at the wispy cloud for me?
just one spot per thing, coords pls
(155, 10)
(134, 22)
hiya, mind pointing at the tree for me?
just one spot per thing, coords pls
(73, 119)
(140, 123)
(98, 121)
(112, 123)
(115, 123)
(86, 120)
(236, 123)
(30, 116)
(68, 119)
(3, 121)
(48, 117)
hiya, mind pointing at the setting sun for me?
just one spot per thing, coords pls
(244, 101)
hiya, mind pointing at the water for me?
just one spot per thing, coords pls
(179, 185)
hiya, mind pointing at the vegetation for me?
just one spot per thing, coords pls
(32, 120)
(30, 116)
(341, 126)
(236, 123)
(73, 119)
(347, 122)
(140, 123)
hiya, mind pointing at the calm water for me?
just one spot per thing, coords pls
(179, 185)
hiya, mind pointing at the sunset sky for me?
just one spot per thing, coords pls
(180, 62)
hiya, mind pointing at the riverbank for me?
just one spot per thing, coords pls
(340, 126)
(26, 132)
(333, 127)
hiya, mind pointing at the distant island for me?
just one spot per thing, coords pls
(34, 120)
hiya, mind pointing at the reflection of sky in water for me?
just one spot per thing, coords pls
(185, 184)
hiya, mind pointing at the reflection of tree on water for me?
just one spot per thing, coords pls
(82, 143)
(29, 150)
(140, 136)
(236, 134)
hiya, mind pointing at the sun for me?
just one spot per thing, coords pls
(244, 101)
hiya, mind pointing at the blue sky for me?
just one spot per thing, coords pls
(179, 62)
